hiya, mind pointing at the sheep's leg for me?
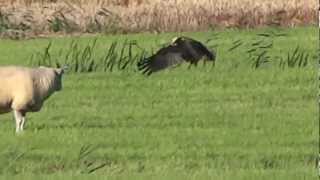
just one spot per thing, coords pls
(22, 123)
(19, 117)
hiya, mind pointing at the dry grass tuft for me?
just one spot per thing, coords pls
(38, 17)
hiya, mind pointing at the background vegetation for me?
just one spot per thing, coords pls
(29, 18)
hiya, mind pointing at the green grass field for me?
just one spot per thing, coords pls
(229, 122)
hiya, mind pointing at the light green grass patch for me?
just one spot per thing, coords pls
(203, 123)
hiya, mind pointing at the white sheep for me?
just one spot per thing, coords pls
(25, 89)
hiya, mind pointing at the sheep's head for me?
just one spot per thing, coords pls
(58, 78)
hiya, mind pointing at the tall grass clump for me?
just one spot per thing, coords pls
(296, 58)
(118, 56)
(260, 51)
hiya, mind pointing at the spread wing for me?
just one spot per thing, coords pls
(194, 50)
(164, 58)
(198, 49)
(182, 49)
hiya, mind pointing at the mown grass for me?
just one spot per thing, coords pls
(230, 122)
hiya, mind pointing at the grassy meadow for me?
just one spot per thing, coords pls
(232, 121)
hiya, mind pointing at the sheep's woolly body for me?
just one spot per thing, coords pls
(25, 89)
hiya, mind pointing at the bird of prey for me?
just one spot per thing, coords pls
(181, 49)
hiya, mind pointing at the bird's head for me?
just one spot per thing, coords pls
(211, 55)
(177, 40)
(174, 39)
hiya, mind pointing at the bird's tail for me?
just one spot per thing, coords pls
(143, 63)
(144, 66)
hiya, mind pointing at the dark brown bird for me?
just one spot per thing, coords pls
(181, 49)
